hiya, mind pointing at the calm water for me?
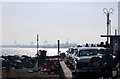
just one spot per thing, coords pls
(29, 51)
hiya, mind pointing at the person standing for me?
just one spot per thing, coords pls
(7, 66)
(107, 63)
(117, 52)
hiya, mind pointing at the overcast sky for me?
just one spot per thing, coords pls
(77, 22)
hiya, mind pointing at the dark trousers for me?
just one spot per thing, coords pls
(117, 59)
(107, 72)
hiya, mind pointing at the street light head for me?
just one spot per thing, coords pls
(111, 10)
(105, 11)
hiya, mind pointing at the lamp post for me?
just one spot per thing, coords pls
(107, 13)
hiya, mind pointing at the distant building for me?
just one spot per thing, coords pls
(45, 42)
(31, 43)
(67, 42)
(15, 43)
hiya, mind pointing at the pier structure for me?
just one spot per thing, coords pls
(113, 39)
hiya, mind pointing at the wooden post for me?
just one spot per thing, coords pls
(115, 32)
(37, 42)
(58, 47)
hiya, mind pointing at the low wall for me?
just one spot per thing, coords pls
(65, 72)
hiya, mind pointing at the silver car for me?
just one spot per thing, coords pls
(87, 58)
(71, 54)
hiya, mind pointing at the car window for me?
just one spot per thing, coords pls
(102, 51)
(91, 52)
(71, 51)
(75, 51)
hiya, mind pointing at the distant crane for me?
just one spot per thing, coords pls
(15, 42)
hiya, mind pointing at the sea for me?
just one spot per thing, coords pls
(30, 51)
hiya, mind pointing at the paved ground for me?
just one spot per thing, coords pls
(88, 75)
(23, 73)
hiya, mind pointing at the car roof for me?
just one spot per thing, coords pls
(88, 48)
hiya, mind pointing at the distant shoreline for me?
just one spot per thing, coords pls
(66, 45)
(33, 47)
(28, 47)
(40, 46)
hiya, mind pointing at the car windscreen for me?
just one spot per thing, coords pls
(91, 52)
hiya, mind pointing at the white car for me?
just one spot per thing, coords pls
(87, 58)
(71, 54)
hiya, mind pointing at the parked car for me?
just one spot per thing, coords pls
(87, 59)
(71, 54)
